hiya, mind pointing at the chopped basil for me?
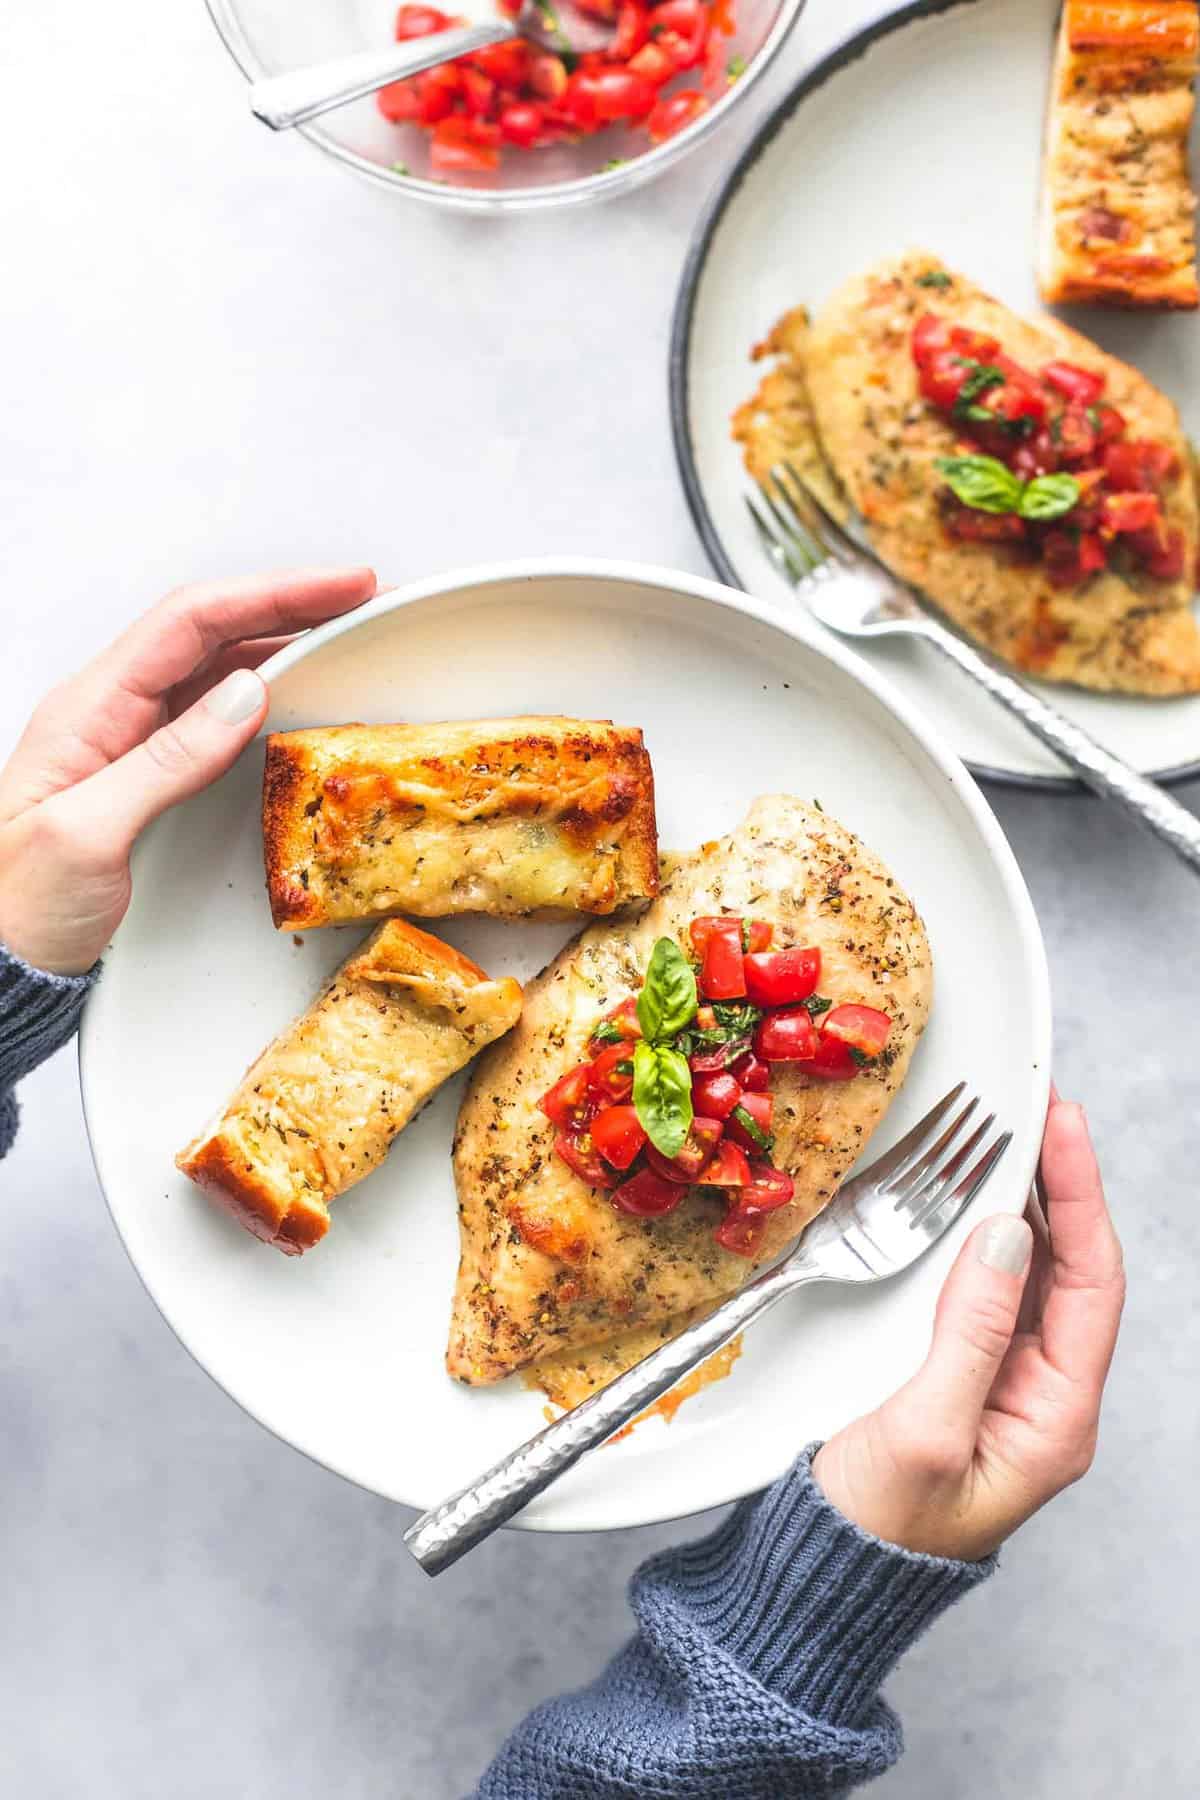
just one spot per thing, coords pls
(736, 1017)
(607, 1033)
(401, 169)
(980, 378)
(817, 1004)
(735, 67)
(860, 1057)
(935, 278)
(753, 1129)
(667, 1001)
(662, 1095)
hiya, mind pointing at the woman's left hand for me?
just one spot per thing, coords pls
(156, 717)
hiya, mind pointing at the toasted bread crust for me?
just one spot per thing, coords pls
(506, 816)
(1118, 215)
(321, 1106)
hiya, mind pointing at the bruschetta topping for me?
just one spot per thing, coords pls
(1046, 467)
(675, 1091)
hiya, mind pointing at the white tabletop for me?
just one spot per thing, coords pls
(223, 353)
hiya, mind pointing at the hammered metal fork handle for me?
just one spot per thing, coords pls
(1105, 773)
(440, 1537)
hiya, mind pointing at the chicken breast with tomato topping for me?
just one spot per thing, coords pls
(551, 1258)
(1036, 489)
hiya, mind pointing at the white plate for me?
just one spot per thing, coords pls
(925, 129)
(340, 1352)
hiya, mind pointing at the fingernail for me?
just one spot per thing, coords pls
(1006, 1244)
(237, 697)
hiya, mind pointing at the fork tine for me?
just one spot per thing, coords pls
(835, 533)
(909, 1179)
(777, 551)
(924, 1199)
(961, 1196)
(894, 1162)
(792, 526)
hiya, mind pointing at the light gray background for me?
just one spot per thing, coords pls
(222, 353)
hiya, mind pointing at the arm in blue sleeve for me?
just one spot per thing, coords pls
(756, 1668)
(38, 1013)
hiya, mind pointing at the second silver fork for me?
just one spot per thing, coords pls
(852, 593)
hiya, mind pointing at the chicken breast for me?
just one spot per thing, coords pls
(501, 816)
(852, 375)
(547, 1263)
(1118, 210)
(320, 1108)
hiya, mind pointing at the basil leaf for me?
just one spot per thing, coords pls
(667, 1002)
(753, 1129)
(934, 278)
(982, 482)
(662, 1095)
(1049, 497)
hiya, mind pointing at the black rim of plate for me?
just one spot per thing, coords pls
(850, 50)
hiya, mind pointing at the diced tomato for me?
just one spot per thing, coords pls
(700, 930)
(399, 102)
(653, 64)
(742, 1230)
(756, 935)
(754, 1076)
(864, 1028)
(706, 1018)
(478, 91)
(580, 1154)
(930, 338)
(760, 1108)
(507, 64)
(618, 1135)
(729, 1167)
(787, 1036)
(632, 31)
(673, 113)
(976, 345)
(1130, 512)
(781, 977)
(715, 1095)
(569, 1101)
(769, 1187)
(624, 1018)
(1070, 556)
(1109, 423)
(722, 972)
(1136, 466)
(1163, 552)
(1038, 455)
(976, 527)
(1076, 436)
(647, 1196)
(681, 28)
(610, 1076)
(420, 21)
(1077, 384)
(687, 1164)
(547, 75)
(1015, 403)
(942, 379)
(831, 1060)
(604, 96)
(459, 146)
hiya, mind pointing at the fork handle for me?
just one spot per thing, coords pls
(1103, 772)
(282, 101)
(440, 1537)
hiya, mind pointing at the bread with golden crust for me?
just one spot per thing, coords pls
(1118, 209)
(319, 1109)
(550, 816)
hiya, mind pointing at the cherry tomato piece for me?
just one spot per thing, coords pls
(1109, 423)
(715, 1096)
(569, 1101)
(722, 974)
(647, 1196)
(618, 1135)
(653, 64)
(864, 1028)
(769, 1187)
(610, 1076)
(580, 1154)
(478, 91)
(460, 146)
(547, 75)
(673, 113)
(981, 348)
(759, 1108)
(686, 1165)
(781, 977)
(399, 102)
(942, 379)
(1076, 384)
(507, 64)
(742, 1230)
(787, 1036)
(930, 338)
(700, 930)
(1135, 466)
(1130, 512)
(633, 29)
(729, 1167)
(623, 1018)
(521, 123)
(1164, 553)
(1070, 557)
(756, 935)
(754, 1076)
(831, 1060)
(419, 21)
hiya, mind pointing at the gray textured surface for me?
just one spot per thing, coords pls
(224, 354)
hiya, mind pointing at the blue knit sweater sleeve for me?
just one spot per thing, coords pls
(38, 1013)
(755, 1670)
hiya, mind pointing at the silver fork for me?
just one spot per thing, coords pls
(849, 590)
(879, 1223)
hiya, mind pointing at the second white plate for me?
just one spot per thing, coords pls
(924, 129)
(340, 1352)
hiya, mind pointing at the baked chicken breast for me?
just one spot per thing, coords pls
(843, 400)
(319, 1109)
(504, 816)
(1118, 209)
(548, 1264)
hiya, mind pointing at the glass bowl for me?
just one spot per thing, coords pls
(265, 37)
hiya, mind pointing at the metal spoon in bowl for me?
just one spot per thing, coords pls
(282, 101)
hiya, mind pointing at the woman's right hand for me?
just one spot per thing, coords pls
(1003, 1415)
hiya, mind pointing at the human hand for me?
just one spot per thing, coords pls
(156, 717)
(1003, 1414)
